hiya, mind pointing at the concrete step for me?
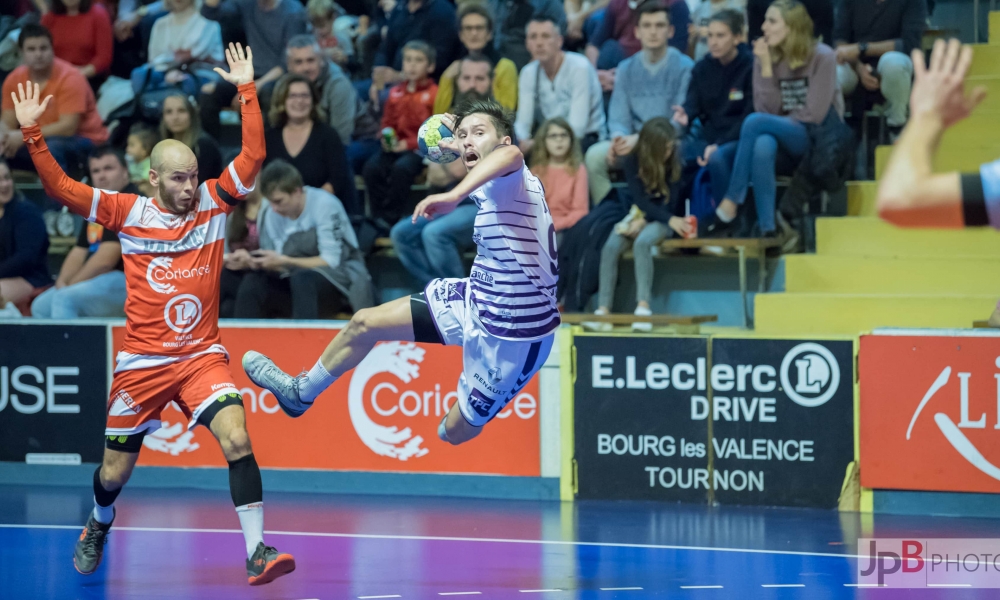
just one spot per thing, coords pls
(869, 236)
(858, 275)
(805, 314)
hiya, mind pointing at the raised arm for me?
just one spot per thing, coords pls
(910, 194)
(80, 198)
(237, 180)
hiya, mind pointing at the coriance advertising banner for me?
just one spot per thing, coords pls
(929, 412)
(782, 414)
(382, 416)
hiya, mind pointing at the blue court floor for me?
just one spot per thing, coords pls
(187, 544)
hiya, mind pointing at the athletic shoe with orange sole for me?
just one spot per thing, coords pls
(90, 547)
(267, 564)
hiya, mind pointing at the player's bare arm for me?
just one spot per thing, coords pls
(910, 193)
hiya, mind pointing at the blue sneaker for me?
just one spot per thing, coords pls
(262, 371)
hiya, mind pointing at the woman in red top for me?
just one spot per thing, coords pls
(82, 35)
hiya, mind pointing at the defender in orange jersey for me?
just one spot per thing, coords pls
(172, 246)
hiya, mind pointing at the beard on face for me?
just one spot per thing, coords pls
(461, 98)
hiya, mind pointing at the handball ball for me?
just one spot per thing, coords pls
(430, 135)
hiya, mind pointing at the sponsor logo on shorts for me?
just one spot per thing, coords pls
(481, 404)
(123, 405)
(495, 375)
(161, 277)
(487, 385)
(220, 386)
(482, 276)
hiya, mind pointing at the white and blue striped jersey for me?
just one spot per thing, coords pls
(513, 279)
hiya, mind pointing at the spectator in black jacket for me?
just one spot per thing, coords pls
(719, 98)
(24, 244)
(431, 21)
(874, 41)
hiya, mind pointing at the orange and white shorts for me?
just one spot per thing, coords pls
(139, 395)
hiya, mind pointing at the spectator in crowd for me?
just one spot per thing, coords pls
(583, 17)
(70, 123)
(874, 42)
(335, 46)
(268, 25)
(141, 139)
(338, 100)
(615, 39)
(429, 21)
(557, 84)
(82, 36)
(702, 15)
(181, 121)
(820, 11)
(91, 282)
(430, 249)
(512, 19)
(242, 240)
(390, 173)
(308, 251)
(475, 30)
(133, 26)
(182, 38)
(558, 164)
(24, 244)
(794, 83)
(652, 170)
(646, 86)
(372, 29)
(719, 98)
(299, 135)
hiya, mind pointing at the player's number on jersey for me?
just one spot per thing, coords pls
(554, 266)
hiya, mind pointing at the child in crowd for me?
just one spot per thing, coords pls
(558, 163)
(322, 14)
(141, 140)
(652, 170)
(390, 173)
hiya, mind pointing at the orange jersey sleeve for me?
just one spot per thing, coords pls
(238, 179)
(108, 209)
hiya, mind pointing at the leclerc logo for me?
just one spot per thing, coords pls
(159, 275)
(183, 313)
(815, 373)
(402, 360)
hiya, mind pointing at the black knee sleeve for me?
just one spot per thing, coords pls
(244, 481)
(424, 329)
(101, 495)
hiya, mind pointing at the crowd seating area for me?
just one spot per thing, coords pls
(342, 100)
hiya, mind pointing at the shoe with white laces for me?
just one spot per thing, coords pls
(262, 371)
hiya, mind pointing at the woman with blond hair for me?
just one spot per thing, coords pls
(794, 84)
(652, 169)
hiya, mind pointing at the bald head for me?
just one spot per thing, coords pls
(173, 171)
(170, 155)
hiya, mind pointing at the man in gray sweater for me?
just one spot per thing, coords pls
(308, 250)
(337, 96)
(647, 85)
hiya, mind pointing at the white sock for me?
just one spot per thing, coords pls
(722, 216)
(252, 523)
(314, 382)
(103, 514)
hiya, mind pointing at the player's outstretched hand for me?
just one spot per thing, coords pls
(27, 108)
(939, 90)
(449, 120)
(240, 65)
(434, 205)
